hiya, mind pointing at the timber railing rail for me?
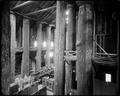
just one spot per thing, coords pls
(70, 56)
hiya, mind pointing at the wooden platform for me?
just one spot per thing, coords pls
(105, 61)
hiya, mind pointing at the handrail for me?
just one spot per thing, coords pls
(103, 50)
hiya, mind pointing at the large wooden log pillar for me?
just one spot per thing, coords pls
(84, 50)
(39, 46)
(59, 82)
(118, 60)
(13, 45)
(48, 46)
(70, 44)
(5, 47)
(25, 55)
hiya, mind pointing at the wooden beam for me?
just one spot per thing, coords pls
(94, 34)
(99, 30)
(41, 10)
(53, 22)
(24, 15)
(28, 17)
(52, 25)
(110, 54)
(84, 51)
(118, 64)
(44, 15)
(17, 2)
(48, 45)
(21, 5)
(94, 39)
(25, 55)
(70, 45)
(59, 83)
(13, 45)
(103, 50)
(39, 46)
(43, 22)
(48, 15)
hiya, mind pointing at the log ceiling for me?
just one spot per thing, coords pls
(45, 11)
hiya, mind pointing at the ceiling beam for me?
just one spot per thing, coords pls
(54, 20)
(42, 10)
(23, 15)
(18, 2)
(52, 23)
(43, 22)
(23, 4)
(48, 15)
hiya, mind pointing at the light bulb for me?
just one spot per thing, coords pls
(51, 54)
(67, 12)
(67, 20)
(35, 44)
(52, 44)
(44, 44)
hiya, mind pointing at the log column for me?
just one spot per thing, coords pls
(13, 45)
(25, 55)
(39, 46)
(70, 44)
(84, 51)
(48, 45)
(5, 47)
(59, 82)
(118, 60)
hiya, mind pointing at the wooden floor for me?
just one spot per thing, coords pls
(100, 88)
(103, 88)
(49, 92)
